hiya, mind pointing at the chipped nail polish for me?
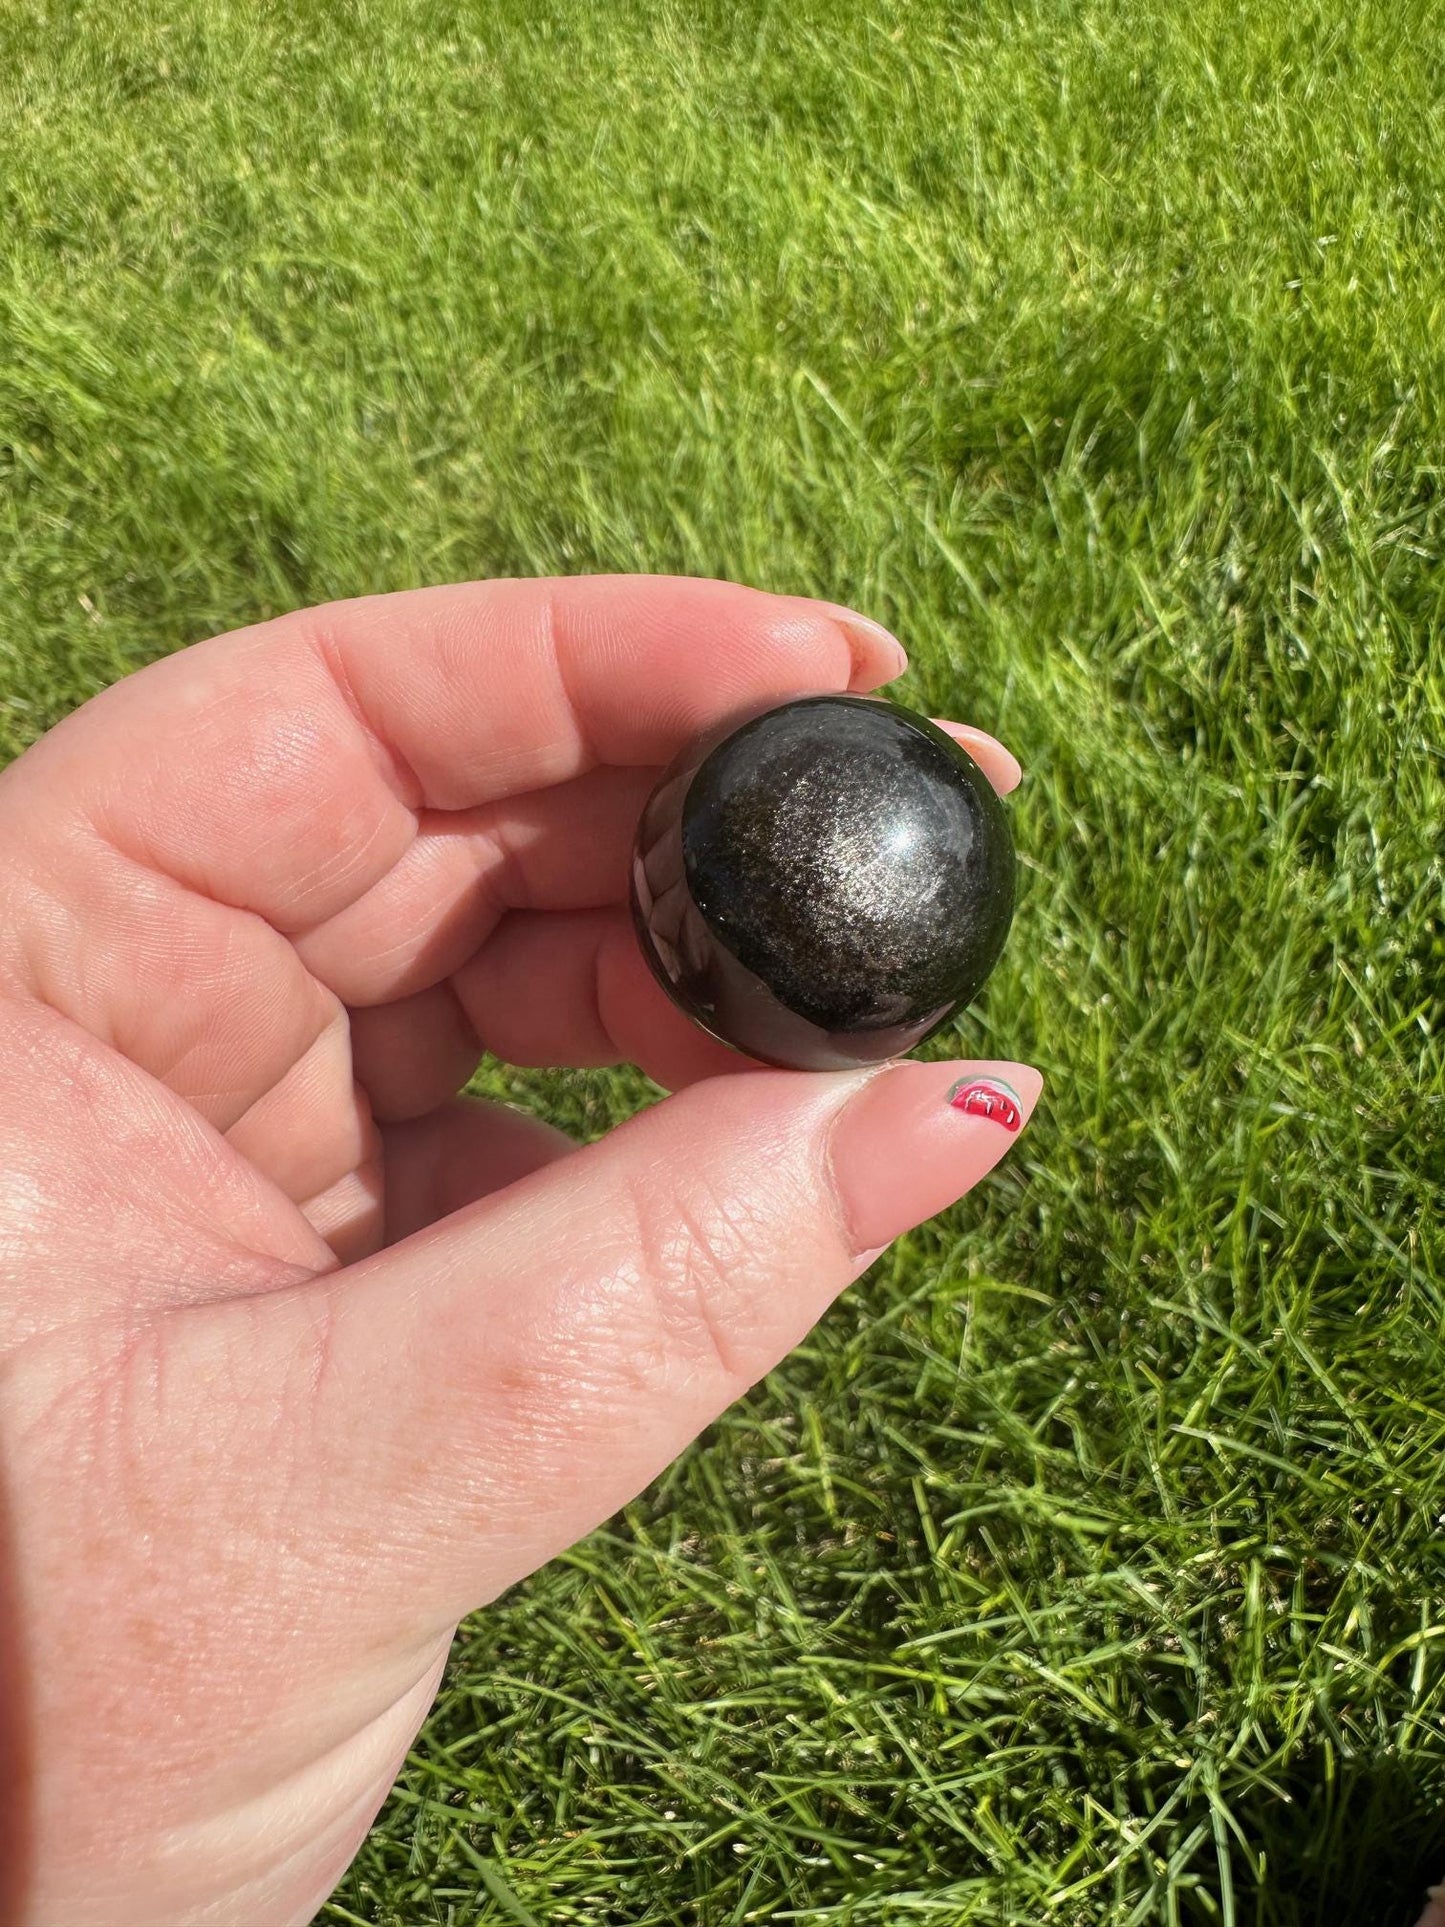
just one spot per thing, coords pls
(988, 1097)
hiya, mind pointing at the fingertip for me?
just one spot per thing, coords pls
(998, 763)
(918, 1136)
(878, 656)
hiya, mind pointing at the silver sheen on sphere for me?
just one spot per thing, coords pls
(824, 884)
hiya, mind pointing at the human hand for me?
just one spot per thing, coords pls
(304, 1356)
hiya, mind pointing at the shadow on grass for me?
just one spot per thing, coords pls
(1357, 1848)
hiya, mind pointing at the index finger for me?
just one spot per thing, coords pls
(487, 689)
(279, 769)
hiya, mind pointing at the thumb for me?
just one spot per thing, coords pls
(496, 1385)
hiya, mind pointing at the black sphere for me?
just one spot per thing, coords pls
(826, 884)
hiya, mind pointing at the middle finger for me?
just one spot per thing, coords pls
(564, 848)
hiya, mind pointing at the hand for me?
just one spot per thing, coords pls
(303, 1355)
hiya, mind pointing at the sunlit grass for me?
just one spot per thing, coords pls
(1085, 1567)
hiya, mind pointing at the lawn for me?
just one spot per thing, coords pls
(1085, 1568)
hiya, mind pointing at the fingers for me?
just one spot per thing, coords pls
(462, 1151)
(562, 848)
(414, 1054)
(415, 1172)
(314, 1124)
(500, 1382)
(131, 1202)
(548, 989)
(279, 769)
(490, 689)
(1002, 768)
(254, 787)
(350, 1214)
(573, 989)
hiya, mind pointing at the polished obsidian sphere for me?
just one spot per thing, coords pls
(824, 884)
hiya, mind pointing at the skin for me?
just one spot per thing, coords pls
(302, 1355)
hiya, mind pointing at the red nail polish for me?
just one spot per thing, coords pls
(988, 1097)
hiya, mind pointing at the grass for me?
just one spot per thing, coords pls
(1085, 1567)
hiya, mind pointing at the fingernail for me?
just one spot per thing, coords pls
(917, 1136)
(1004, 768)
(868, 635)
(1434, 1914)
